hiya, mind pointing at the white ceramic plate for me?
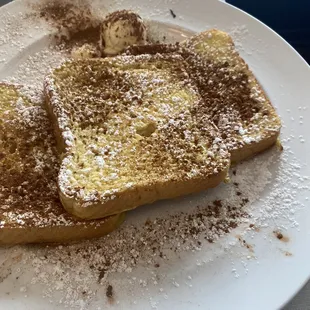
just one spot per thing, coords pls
(224, 275)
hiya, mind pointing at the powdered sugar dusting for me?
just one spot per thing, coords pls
(28, 189)
(150, 101)
(159, 241)
(67, 276)
(36, 66)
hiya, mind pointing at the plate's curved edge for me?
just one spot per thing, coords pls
(12, 4)
(7, 5)
(268, 28)
(307, 278)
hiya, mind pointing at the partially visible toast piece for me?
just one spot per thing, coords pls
(30, 210)
(131, 134)
(234, 99)
(238, 104)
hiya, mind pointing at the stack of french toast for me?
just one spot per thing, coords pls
(114, 133)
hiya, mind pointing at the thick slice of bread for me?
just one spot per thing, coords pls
(131, 133)
(233, 98)
(30, 209)
(237, 102)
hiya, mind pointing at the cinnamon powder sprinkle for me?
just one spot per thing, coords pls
(76, 23)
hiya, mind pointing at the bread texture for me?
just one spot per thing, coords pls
(241, 108)
(131, 133)
(30, 209)
(233, 98)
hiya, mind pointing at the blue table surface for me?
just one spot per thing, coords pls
(290, 19)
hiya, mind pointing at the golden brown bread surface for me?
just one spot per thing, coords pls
(131, 133)
(241, 109)
(30, 210)
(233, 98)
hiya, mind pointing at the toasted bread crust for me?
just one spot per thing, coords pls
(59, 233)
(138, 196)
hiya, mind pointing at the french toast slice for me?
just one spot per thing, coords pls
(131, 133)
(238, 104)
(233, 98)
(30, 209)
